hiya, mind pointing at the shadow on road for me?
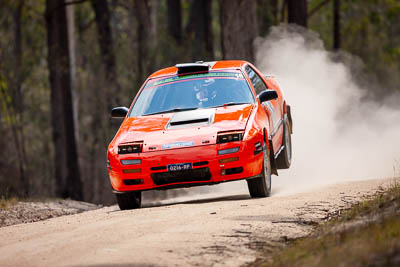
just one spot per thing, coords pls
(190, 200)
(196, 201)
(118, 265)
(201, 199)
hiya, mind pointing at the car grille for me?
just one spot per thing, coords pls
(201, 163)
(193, 175)
(158, 168)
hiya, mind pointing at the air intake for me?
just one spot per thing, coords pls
(193, 175)
(191, 118)
(188, 122)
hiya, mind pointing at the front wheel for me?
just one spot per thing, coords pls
(261, 186)
(129, 200)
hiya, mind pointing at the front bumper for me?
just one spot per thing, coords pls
(152, 173)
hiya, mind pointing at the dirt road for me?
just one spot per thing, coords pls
(212, 231)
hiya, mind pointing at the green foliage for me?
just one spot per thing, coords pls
(29, 117)
(6, 102)
(7, 202)
(370, 29)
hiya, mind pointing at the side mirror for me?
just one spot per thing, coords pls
(267, 95)
(119, 112)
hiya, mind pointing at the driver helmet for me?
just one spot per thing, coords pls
(205, 91)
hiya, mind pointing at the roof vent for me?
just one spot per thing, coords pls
(192, 67)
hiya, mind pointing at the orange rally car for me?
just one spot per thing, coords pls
(199, 124)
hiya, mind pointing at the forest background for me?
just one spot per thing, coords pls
(65, 63)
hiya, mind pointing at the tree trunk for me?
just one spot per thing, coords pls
(175, 20)
(238, 28)
(275, 11)
(297, 12)
(72, 56)
(199, 25)
(103, 19)
(18, 101)
(264, 16)
(145, 49)
(283, 11)
(67, 174)
(336, 25)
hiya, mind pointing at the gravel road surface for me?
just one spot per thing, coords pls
(219, 229)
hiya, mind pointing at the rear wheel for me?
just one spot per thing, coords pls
(261, 186)
(129, 200)
(285, 157)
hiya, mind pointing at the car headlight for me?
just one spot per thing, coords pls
(229, 137)
(130, 148)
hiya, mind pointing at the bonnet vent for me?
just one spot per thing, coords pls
(175, 123)
(192, 118)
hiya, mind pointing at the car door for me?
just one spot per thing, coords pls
(272, 107)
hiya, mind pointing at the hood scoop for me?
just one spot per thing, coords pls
(192, 118)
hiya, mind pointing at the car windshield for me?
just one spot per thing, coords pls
(193, 91)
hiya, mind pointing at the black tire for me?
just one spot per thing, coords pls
(285, 157)
(261, 186)
(129, 200)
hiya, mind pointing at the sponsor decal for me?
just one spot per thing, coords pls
(194, 76)
(177, 145)
(269, 106)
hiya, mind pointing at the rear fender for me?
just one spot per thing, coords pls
(274, 169)
(289, 117)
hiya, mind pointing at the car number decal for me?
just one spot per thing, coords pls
(177, 145)
(179, 167)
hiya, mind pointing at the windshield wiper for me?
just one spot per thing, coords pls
(170, 110)
(231, 104)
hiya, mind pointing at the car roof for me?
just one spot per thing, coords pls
(214, 65)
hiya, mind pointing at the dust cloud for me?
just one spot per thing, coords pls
(339, 135)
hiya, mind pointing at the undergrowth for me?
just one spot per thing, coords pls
(7, 202)
(368, 234)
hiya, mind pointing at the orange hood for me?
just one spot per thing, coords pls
(183, 129)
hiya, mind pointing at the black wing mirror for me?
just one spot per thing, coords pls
(119, 112)
(267, 95)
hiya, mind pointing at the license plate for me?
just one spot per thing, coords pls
(179, 167)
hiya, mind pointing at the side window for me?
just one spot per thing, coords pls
(256, 80)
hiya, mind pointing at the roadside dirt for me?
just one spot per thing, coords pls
(211, 231)
(26, 212)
